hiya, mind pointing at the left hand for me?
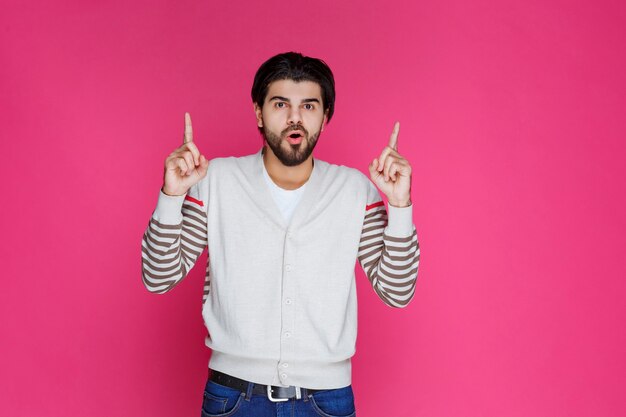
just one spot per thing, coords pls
(392, 173)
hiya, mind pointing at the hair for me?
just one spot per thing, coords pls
(297, 67)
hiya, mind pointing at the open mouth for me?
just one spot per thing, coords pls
(295, 138)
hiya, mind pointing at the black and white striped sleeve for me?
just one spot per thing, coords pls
(389, 251)
(174, 239)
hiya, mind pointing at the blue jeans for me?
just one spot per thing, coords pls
(221, 401)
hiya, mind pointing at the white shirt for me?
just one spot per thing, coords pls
(286, 200)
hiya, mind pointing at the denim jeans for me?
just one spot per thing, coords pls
(221, 401)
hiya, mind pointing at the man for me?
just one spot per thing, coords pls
(283, 231)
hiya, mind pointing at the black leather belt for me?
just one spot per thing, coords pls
(274, 393)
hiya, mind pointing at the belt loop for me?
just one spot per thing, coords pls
(249, 390)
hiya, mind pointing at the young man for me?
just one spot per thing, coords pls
(283, 232)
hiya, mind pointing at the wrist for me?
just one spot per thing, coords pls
(171, 194)
(400, 203)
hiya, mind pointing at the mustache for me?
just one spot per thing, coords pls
(293, 128)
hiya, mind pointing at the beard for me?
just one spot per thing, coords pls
(291, 155)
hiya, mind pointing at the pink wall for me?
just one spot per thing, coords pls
(513, 119)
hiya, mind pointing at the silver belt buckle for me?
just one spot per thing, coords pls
(276, 400)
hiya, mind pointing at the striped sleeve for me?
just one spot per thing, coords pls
(174, 239)
(389, 251)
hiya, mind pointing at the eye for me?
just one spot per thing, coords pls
(280, 104)
(309, 106)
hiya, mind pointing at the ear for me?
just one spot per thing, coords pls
(259, 115)
(325, 120)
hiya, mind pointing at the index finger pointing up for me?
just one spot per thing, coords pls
(393, 139)
(188, 130)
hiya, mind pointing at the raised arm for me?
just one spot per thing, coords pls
(389, 251)
(177, 232)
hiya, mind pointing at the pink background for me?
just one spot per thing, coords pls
(512, 117)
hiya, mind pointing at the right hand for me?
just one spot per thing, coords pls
(185, 166)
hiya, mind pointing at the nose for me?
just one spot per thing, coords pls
(294, 116)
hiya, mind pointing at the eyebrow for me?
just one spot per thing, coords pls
(306, 100)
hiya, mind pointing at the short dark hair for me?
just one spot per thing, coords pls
(297, 67)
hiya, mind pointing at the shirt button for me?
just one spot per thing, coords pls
(288, 301)
(287, 334)
(289, 234)
(288, 268)
(285, 365)
(284, 376)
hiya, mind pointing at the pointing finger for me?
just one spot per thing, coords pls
(188, 130)
(393, 139)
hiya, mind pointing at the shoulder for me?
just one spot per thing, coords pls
(351, 181)
(229, 163)
(343, 173)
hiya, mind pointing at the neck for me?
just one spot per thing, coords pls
(288, 178)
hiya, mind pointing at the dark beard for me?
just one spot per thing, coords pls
(296, 154)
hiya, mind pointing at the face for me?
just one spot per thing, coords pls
(292, 119)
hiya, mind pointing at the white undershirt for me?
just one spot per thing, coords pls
(286, 200)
